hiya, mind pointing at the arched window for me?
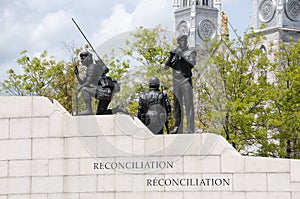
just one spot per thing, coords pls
(263, 73)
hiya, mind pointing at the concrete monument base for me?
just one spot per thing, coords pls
(45, 153)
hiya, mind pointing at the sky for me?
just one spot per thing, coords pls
(38, 25)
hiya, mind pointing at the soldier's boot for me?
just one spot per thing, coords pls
(175, 130)
(88, 105)
(120, 108)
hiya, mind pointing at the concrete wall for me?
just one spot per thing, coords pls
(45, 153)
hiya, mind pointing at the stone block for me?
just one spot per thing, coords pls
(263, 164)
(80, 184)
(81, 147)
(173, 195)
(11, 107)
(47, 184)
(15, 149)
(97, 195)
(58, 167)
(295, 170)
(132, 195)
(231, 163)
(46, 148)
(69, 128)
(295, 195)
(18, 185)
(154, 145)
(281, 182)
(3, 185)
(106, 183)
(250, 182)
(123, 145)
(63, 196)
(118, 183)
(197, 195)
(3, 169)
(106, 146)
(91, 125)
(212, 144)
(94, 166)
(40, 127)
(138, 182)
(20, 128)
(28, 168)
(126, 125)
(4, 125)
(42, 106)
(268, 195)
(106, 125)
(233, 195)
(138, 145)
(182, 144)
(201, 164)
(28, 196)
(56, 122)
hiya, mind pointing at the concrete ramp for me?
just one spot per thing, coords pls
(45, 153)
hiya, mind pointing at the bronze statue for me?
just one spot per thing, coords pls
(97, 84)
(154, 107)
(88, 84)
(182, 60)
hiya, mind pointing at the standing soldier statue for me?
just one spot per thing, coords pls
(182, 60)
(154, 107)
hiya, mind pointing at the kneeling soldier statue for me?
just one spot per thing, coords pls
(154, 107)
(96, 84)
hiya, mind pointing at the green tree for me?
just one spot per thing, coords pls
(233, 93)
(252, 97)
(285, 100)
(144, 57)
(42, 76)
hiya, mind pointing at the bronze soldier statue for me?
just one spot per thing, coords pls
(97, 84)
(154, 107)
(182, 60)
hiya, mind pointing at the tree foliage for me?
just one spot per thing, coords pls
(252, 97)
(144, 57)
(42, 76)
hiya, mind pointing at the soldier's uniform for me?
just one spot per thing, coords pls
(154, 107)
(182, 60)
(96, 84)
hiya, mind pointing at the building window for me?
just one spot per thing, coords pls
(205, 2)
(184, 3)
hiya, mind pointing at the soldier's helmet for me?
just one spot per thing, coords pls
(86, 58)
(154, 82)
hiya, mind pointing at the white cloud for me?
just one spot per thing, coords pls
(147, 13)
(119, 21)
(152, 13)
(52, 27)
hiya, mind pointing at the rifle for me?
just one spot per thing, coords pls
(87, 40)
(167, 121)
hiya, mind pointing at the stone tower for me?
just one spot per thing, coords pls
(199, 19)
(280, 18)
